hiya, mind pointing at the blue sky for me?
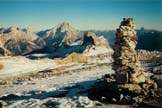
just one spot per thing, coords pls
(83, 14)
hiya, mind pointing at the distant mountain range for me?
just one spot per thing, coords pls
(16, 41)
(63, 34)
(64, 39)
(147, 39)
(57, 41)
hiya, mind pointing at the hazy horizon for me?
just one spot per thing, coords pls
(82, 14)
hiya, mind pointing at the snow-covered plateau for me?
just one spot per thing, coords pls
(43, 83)
(66, 90)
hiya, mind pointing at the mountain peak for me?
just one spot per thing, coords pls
(65, 23)
(28, 29)
(63, 33)
(64, 26)
(12, 29)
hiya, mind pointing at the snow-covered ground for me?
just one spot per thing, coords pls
(19, 65)
(62, 91)
(66, 90)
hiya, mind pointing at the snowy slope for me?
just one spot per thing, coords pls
(38, 93)
(19, 65)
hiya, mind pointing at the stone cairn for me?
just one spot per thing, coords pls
(126, 63)
(130, 84)
(129, 75)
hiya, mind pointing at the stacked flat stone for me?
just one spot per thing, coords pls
(130, 84)
(127, 65)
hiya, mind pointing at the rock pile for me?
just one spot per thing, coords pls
(130, 75)
(130, 84)
(126, 63)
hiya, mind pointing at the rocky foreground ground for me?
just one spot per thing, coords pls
(62, 86)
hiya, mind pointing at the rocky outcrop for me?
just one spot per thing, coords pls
(97, 48)
(92, 39)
